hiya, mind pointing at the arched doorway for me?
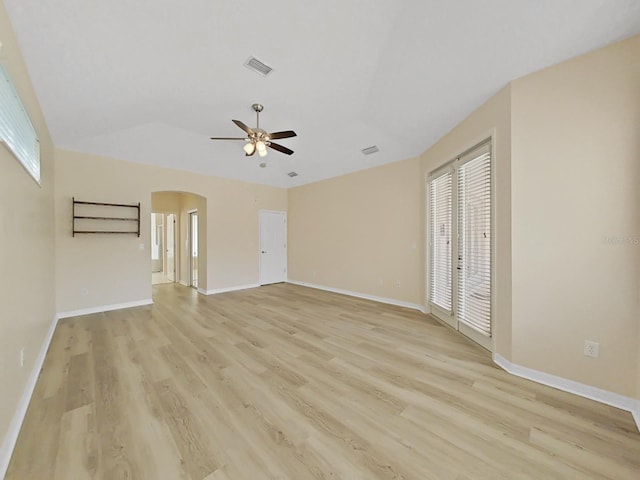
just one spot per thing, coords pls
(178, 238)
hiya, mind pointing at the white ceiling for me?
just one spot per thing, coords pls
(151, 80)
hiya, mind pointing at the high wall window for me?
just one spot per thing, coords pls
(460, 233)
(16, 130)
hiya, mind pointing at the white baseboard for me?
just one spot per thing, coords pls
(104, 308)
(228, 289)
(366, 296)
(599, 395)
(636, 413)
(10, 439)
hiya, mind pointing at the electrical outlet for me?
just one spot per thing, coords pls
(84, 292)
(591, 349)
(397, 283)
(22, 357)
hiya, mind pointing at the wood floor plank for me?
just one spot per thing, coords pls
(76, 452)
(287, 382)
(195, 449)
(153, 445)
(80, 381)
(115, 452)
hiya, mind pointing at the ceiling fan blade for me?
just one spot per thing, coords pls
(228, 138)
(280, 148)
(243, 127)
(285, 134)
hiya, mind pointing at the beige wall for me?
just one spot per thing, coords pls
(26, 235)
(493, 119)
(360, 232)
(112, 267)
(165, 202)
(576, 173)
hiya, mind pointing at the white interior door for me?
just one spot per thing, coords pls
(273, 247)
(171, 243)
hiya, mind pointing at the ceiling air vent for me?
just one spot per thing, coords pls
(292, 174)
(370, 150)
(257, 66)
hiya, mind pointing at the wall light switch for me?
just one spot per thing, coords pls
(141, 246)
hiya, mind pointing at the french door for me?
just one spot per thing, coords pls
(460, 242)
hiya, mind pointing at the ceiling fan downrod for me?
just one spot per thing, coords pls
(257, 107)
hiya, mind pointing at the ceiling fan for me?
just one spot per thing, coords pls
(257, 139)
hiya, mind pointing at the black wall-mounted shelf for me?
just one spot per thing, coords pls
(96, 217)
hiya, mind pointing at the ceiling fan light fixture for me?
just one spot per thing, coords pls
(257, 139)
(249, 148)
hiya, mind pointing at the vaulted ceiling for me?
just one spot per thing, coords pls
(151, 80)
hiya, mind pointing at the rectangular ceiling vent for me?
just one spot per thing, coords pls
(370, 150)
(292, 174)
(257, 66)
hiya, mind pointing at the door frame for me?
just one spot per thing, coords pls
(175, 245)
(191, 214)
(155, 229)
(286, 244)
(450, 318)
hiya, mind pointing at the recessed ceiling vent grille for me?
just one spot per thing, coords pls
(292, 174)
(257, 66)
(370, 150)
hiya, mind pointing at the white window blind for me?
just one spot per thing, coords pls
(474, 245)
(440, 207)
(16, 130)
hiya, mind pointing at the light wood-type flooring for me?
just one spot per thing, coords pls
(287, 382)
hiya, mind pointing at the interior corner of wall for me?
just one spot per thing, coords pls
(503, 351)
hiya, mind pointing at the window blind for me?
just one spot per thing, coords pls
(474, 245)
(16, 130)
(440, 207)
